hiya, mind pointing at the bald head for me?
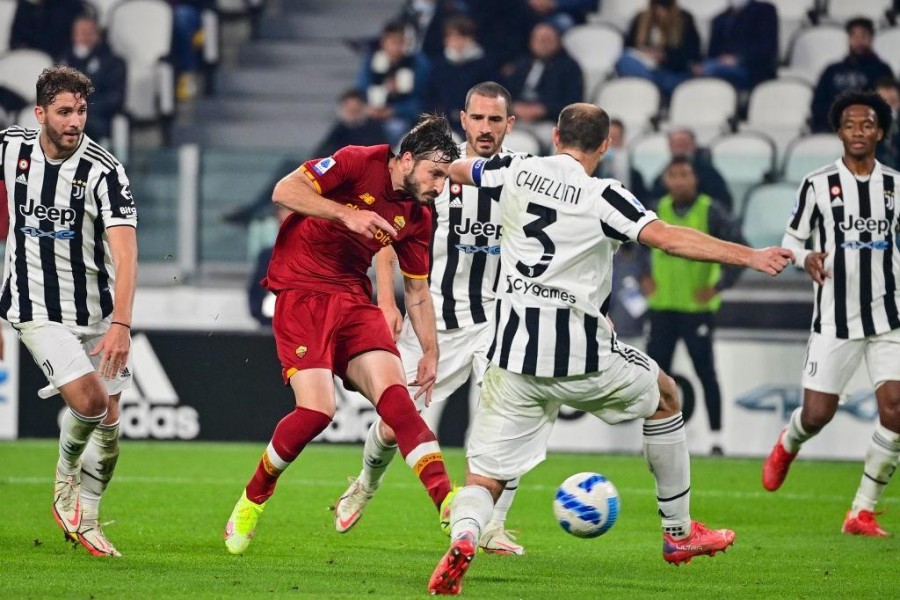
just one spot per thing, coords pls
(583, 126)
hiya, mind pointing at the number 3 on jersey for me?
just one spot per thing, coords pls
(545, 216)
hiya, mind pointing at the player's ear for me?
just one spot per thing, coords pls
(39, 114)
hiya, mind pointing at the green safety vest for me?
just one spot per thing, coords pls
(678, 278)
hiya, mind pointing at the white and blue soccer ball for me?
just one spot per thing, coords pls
(586, 505)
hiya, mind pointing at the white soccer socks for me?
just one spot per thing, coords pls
(377, 455)
(470, 512)
(97, 465)
(75, 430)
(881, 461)
(665, 449)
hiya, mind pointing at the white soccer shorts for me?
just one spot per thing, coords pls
(831, 362)
(63, 353)
(515, 415)
(463, 352)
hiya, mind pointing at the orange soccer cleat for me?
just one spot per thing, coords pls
(863, 523)
(776, 467)
(701, 541)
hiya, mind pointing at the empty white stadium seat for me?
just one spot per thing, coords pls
(19, 71)
(633, 100)
(521, 140)
(780, 109)
(793, 15)
(806, 154)
(887, 47)
(596, 48)
(618, 13)
(650, 154)
(705, 105)
(140, 31)
(841, 11)
(767, 209)
(7, 13)
(103, 9)
(813, 49)
(744, 160)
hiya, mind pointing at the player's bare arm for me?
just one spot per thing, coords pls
(297, 193)
(461, 170)
(116, 343)
(695, 245)
(420, 309)
(385, 268)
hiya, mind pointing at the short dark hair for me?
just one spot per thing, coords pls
(57, 80)
(489, 89)
(583, 126)
(886, 81)
(870, 99)
(864, 22)
(431, 139)
(678, 160)
(462, 25)
(352, 94)
(393, 27)
(618, 123)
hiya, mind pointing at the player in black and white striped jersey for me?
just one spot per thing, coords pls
(848, 210)
(465, 255)
(553, 344)
(68, 286)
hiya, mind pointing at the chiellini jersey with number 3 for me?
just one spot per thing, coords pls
(854, 221)
(561, 228)
(58, 264)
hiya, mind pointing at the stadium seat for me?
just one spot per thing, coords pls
(140, 31)
(19, 71)
(841, 11)
(522, 140)
(650, 154)
(705, 105)
(793, 15)
(813, 49)
(634, 100)
(887, 47)
(780, 109)
(744, 160)
(806, 154)
(617, 13)
(767, 209)
(703, 11)
(103, 9)
(7, 13)
(596, 48)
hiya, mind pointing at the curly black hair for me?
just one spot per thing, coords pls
(871, 99)
(431, 139)
(58, 80)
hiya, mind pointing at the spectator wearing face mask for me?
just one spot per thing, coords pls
(462, 65)
(89, 54)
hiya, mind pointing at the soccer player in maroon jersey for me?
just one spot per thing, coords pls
(346, 208)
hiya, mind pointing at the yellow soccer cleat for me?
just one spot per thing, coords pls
(445, 509)
(242, 524)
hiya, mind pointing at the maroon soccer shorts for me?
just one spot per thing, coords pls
(318, 330)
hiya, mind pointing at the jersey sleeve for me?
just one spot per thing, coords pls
(801, 222)
(491, 175)
(413, 253)
(330, 172)
(116, 202)
(622, 216)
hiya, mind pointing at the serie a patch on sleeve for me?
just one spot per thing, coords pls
(323, 165)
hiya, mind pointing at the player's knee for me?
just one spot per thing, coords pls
(814, 419)
(493, 486)
(385, 432)
(669, 401)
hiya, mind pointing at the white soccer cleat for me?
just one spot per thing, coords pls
(497, 540)
(91, 536)
(67, 503)
(350, 505)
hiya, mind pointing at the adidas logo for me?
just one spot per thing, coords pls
(456, 203)
(21, 179)
(837, 201)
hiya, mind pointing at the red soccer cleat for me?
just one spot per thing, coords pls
(776, 467)
(701, 541)
(863, 524)
(447, 577)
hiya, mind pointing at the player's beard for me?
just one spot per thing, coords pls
(64, 142)
(475, 144)
(411, 188)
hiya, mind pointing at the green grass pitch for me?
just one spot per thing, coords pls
(169, 503)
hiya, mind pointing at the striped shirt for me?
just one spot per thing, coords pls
(561, 228)
(58, 266)
(854, 220)
(465, 255)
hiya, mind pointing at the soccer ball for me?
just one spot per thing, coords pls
(586, 505)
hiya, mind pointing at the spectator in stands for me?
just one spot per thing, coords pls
(503, 30)
(563, 14)
(393, 79)
(187, 39)
(353, 127)
(743, 46)
(616, 163)
(683, 295)
(44, 25)
(544, 81)
(260, 300)
(683, 142)
(462, 65)
(426, 21)
(859, 71)
(889, 149)
(661, 45)
(89, 54)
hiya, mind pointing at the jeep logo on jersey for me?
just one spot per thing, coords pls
(479, 228)
(63, 216)
(853, 223)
